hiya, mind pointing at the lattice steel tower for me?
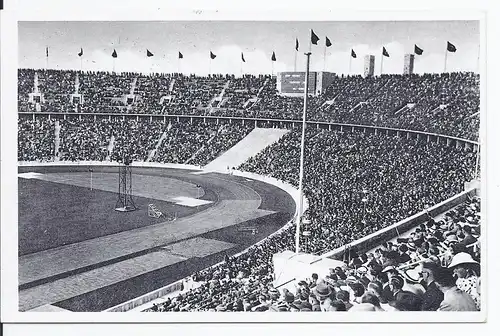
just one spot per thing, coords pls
(125, 202)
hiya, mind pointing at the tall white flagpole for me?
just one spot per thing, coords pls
(301, 171)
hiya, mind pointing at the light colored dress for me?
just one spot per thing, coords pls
(469, 286)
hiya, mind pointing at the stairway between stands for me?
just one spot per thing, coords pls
(256, 141)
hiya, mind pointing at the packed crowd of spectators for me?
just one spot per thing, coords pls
(25, 86)
(435, 268)
(358, 183)
(57, 87)
(85, 139)
(198, 143)
(445, 103)
(136, 139)
(35, 139)
(241, 90)
(149, 91)
(195, 92)
(103, 91)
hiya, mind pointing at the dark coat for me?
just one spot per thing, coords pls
(432, 298)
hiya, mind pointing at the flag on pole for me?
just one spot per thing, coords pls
(181, 55)
(296, 44)
(384, 52)
(80, 54)
(450, 47)
(418, 50)
(353, 54)
(212, 55)
(328, 43)
(149, 53)
(273, 57)
(47, 51)
(242, 57)
(114, 54)
(314, 38)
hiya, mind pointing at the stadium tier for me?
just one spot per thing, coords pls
(438, 103)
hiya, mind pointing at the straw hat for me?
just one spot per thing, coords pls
(462, 258)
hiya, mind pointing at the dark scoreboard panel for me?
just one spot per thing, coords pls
(294, 82)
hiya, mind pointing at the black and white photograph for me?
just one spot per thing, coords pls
(328, 168)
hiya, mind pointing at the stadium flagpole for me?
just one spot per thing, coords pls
(302, 145)
(350, 63)
(47, 57)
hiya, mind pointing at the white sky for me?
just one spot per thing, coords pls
(257, 40)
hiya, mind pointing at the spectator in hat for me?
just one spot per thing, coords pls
(412, 281)
(433, 296)
(322, 293)
(453, 299)
(466, 271)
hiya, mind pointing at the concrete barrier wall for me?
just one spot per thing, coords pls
(377, 238)
(108, 163)
(148, 297)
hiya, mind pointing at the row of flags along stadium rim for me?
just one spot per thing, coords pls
(450, 47)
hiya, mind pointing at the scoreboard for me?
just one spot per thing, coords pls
(293, 83)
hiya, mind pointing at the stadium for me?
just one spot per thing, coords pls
(234, 205)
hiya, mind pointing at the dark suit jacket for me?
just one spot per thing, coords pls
(432, 298)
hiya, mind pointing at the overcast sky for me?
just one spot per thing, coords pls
(257, 40)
